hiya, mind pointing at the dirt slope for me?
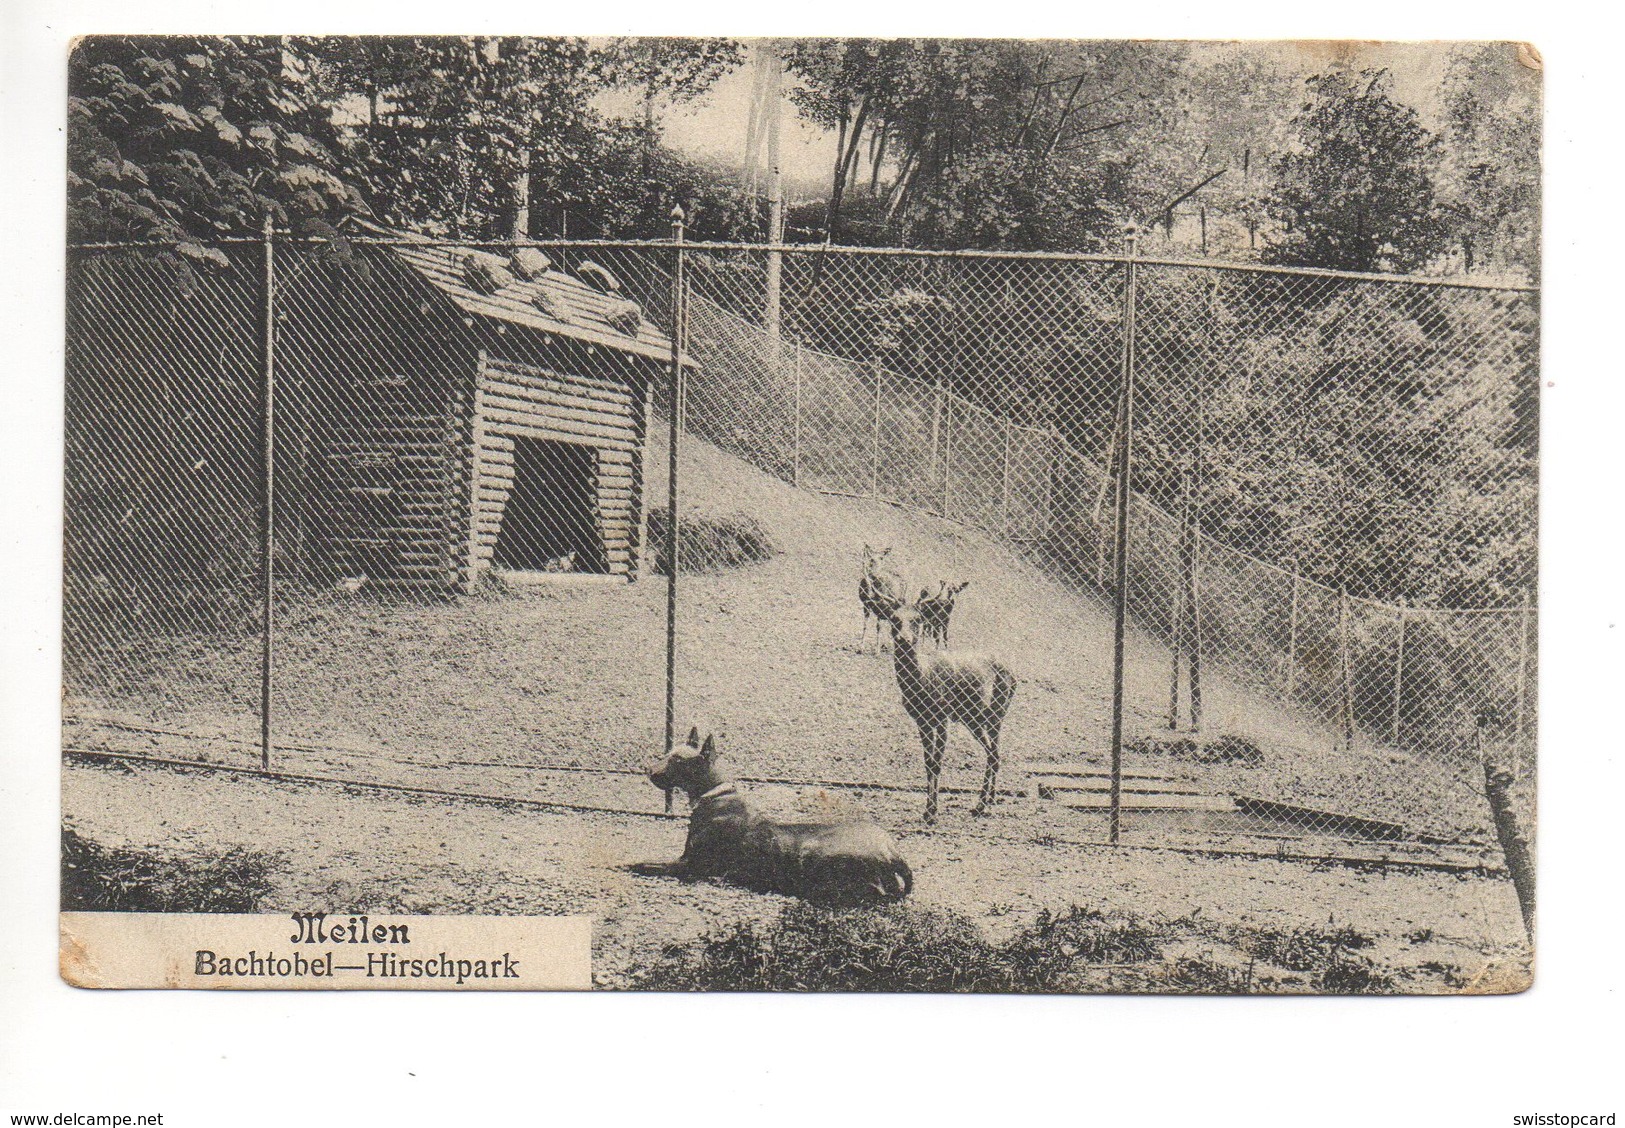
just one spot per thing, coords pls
(767, 657)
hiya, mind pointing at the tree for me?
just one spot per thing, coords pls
(1058, 131)
(1358, 193)
(189, 137)
(458, 126)
(674, 67)
(1489, 182)
(473, 136)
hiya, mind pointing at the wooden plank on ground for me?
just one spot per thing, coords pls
(1136, 802)
(1055, 788)
(1085, 771)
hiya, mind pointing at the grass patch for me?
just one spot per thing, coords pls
(98, 879)
(1352, 975)
(1203, 975)
(709, 542)
(900, 948)
(909, 948)
(1300, 949)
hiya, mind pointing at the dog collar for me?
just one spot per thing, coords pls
(719, 790)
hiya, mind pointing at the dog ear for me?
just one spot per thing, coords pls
(708, 750)
(961, 586)
(694, 736)
(924, 595)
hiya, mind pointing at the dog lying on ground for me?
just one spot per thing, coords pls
(849, 859)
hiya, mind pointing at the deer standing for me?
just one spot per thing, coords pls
(880, 593)
(945, 686)
(935, 611)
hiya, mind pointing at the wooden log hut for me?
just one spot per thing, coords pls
(440, 411)
(456, 410)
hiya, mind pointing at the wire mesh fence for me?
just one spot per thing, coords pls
(1330, 514)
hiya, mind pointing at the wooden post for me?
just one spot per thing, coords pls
(795, 455)
(1347, 706)
(1399, 671)
(1125, 465)
(773, 68)
(673, 541)
(268, 524)
(1514, 845)
(874, 460)
(1292, 638)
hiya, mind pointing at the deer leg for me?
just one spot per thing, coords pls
(989, 736)
(935, 740)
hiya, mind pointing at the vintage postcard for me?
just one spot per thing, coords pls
(801, 515)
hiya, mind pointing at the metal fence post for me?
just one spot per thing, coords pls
(1193, 619)
(1292, 639)
(268, 527)
(1399, 670)
(672, 539)
(1177, 639)
(795, 454)
(947, 454)
(874, 456)
(1516, 766)
(1347, 691)
(1004, 492)
(1125, 463)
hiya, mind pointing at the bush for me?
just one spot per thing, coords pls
(1301, 949)
(98, 879)
(896, 948)
(908, 948)
(709, 541)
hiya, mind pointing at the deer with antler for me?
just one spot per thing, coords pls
(947, 686)
(936, 610)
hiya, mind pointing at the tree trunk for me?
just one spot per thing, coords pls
(845, 163)
(1066, 112)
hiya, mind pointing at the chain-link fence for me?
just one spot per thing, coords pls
(1328, 534)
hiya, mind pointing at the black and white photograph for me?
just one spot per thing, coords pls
(839, 515)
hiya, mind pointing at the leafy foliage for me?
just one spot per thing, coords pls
(896, 948)
(190, 137)
(993, 143)
(96, 878)
(187, 138)
(1358, 192)
(709, 542)
(919, 948)
(1489, 181)
(1348, 434)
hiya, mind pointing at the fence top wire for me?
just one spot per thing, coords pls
(815, 249)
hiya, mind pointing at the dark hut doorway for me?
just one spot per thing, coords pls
(550, 523)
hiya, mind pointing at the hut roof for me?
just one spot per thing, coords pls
(553, 302)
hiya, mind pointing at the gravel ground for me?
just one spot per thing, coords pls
(356, 850)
